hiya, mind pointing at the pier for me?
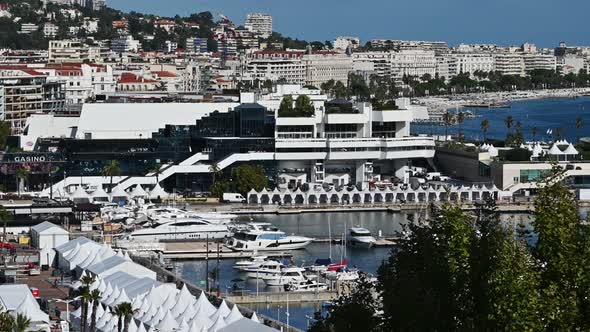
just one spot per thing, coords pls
(282, 297)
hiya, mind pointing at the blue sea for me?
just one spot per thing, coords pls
(544, 114)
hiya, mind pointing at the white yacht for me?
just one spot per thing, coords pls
(265, 237)
(360, 237)
(254, 261)
(267, 270)
(181, 229)
(306, 286)
(287, 275)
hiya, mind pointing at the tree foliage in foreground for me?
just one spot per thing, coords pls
(463, 272)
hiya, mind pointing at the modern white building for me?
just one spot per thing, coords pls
(260, 24)
(470, 63)
(510, 62)
(533, 61)
(47, 236)
(285, 66)
(63, 51)
(125, 45)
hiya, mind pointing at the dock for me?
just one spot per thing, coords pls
(282, 297)
(199, 250)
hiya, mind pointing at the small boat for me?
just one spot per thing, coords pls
(342, 275)
(360, 238)
(254, 261)
(338, 266)
(306, 286)
(287, 275)
(267, 270)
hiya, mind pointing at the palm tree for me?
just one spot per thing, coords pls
(448, 120)
(84, 294)
(111, 169)
(534, 132)
(485, 126)
(124, 311)
(215, 171)
(509, 121)
(558, 133)
(85, 298)
(579, 124)
(21, 174)
(95, 297)
(7, 322)
(460, 120)
(21, 323)
(157, 169)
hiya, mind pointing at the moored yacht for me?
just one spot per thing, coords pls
(306, 286)
(267, 270)
(360, 237)
(265, 237)
(287, 275)
(181, 229)
(254, 261)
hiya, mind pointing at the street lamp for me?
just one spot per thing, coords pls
(67, 302)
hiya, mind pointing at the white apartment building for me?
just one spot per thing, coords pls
(470, 63)
(416, 63)
(82, 81)
(443, 66)
(570, 63)
(74, 51)
(322, 67)
(510, 62)
(342, 43)
(50, 30)
(533, 61)
(260, 24)
(285, 66)
(125, 45)
(380, 62)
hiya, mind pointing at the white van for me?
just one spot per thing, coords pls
(233, 198)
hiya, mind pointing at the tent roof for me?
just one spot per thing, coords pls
(571, 150)
(158, 191)
(138, 192)
(555, 150)
(99, 192)
(48, 228)
(118, 192)
(246, 325)
(80, 193)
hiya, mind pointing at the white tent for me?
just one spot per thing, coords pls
(118, 194)
(493, 151)
(138, 192)
(555, 150)
(571, 150)
(158, 193)
(80, 195)
(537, 150)
(168, 323)
(99, 195)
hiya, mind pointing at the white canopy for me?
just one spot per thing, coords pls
(555, 150)
(138, 192)
(570, 150)
(537, 150)
(80, 194)
(119, 193)
(493, 151)
(158, 192)
(99, 193)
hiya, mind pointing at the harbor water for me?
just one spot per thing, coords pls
(318, 225)
(543, 114)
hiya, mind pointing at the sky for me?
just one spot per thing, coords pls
(504, 22)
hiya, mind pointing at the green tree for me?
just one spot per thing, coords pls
(448, 119)
(562, 247)
(340, 90)
(4, 133)
(485, 126)
(534, 131)
(215, 172)
(95, 296)
(22, 323)
(304, 106)
(7, 322)
(460, 120)
(509, 122)
(423, 285)
(352, 312)
(111, 169)
(248, 177)
(286, 107)
(579, 125)
(124, 311)
(157, 170)
(22, 174)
